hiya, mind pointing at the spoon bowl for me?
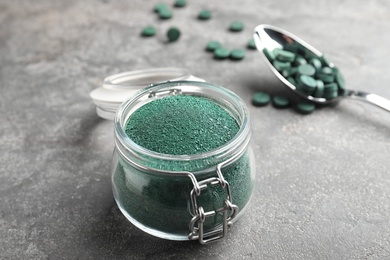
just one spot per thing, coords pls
(271, 38)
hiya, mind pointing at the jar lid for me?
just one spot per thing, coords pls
(120, 87)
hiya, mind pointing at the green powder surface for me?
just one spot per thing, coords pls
(181, 125)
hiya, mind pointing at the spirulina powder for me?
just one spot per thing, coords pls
(179, 125)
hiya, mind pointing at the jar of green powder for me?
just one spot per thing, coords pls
(182, 166)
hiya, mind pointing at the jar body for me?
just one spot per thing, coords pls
(161, 204)
(158, 193)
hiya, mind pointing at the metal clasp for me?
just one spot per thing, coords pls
(161, 93)
(199, 215)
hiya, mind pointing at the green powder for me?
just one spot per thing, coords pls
(163, 203)
(181, 124)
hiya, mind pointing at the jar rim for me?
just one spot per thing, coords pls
(230, 99)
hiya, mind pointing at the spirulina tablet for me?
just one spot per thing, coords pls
(305, 108)
(269, 54)
(204, 15)
(319, 92)
(339, 79)
(180, 3)
(261, 99)
(325, 61)
(213, 45)
(316, 63)
(237, 54)
(289, 72)
(281, 65)
(283, 55)
(275, 51)
(148, 31)
(307, 84)
(326, 70)
(306, 69)
(327, 78)
(173, 34)
(299, 60)
(280, 101)
(165, 13)
(308, 81)
(236, 26)
(330, 90)
(326, 75)
(221, 53)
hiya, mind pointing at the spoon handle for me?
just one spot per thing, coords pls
(370, 98)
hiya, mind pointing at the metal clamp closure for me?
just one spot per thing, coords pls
(199, 215)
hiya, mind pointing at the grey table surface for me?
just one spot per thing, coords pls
(322, 183)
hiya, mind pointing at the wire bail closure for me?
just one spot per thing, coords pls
(199, 215)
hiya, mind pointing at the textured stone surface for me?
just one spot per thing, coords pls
(322, 187)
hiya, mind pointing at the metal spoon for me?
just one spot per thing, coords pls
(271, 37)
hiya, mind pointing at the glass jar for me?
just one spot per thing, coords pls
(184, 197)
